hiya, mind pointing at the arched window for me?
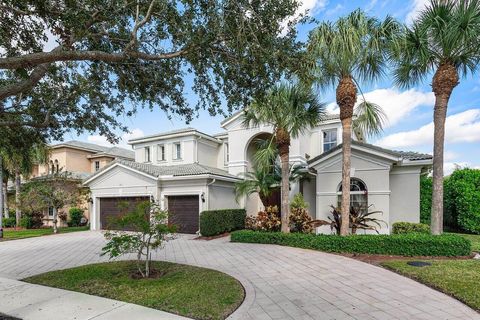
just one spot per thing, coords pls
(57, 168)
(52, 167)
(358, 194)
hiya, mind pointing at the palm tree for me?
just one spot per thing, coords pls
(345, 53)
(259, 181)
(19, 158)
(290, 110)
(443, 41)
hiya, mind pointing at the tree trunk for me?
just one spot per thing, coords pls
(18, 212)
(444, 81)
(6, 211)
(55, 215)
(282, 138)
(2, 199)
(346, 96)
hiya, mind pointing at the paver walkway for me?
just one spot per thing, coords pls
(280, 282)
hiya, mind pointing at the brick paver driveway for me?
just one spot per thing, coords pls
(280, 282)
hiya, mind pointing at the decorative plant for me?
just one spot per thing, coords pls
(299, 217)
(361, 219)
(267, 220)
(150, 231)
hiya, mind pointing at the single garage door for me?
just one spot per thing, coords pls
(184, 212)
(111, 208)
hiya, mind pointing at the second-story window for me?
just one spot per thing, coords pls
(329, 139)
(227, 154)
(177, 151)
(161, 152)
(147, 154)
(97, 165)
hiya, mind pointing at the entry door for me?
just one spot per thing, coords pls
(183, 211)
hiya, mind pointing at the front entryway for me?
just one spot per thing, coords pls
(111, 208)
(184, 212)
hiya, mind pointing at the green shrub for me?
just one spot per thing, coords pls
(31, 220)
(425, 199)
(9, 222)
(298, 202)
(76, 215)
(410, 227)
(215, 222)
(462, 198)
(413, 244)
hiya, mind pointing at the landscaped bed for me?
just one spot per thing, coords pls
(185, 290)
(402, 244)
(12, 234)
(458, 278)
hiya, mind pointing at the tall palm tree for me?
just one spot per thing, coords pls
(345, 53)
(444, 41)
(290, 110)
(20, 158)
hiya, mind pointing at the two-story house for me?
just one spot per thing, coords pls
(80, 160)
(187, 171)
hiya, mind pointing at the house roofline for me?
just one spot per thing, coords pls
(168, 135)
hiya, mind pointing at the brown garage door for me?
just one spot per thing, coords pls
(184, 212)
(111, 208)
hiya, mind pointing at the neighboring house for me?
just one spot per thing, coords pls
(187, 171)
(79, 160)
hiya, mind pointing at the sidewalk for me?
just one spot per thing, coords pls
(34, 302)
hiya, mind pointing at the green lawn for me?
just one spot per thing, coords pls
(474, 239)
(28, 233)
(185, 290)
(459, 278)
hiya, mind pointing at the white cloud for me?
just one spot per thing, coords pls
(334, 10)
(306, 6)
(450, 155)
(396, 104)
(101, 140)
(449, 167)
(460, 127)
(415, 8)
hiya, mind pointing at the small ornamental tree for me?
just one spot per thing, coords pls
(150, 231)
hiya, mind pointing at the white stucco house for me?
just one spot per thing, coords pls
(187, 171)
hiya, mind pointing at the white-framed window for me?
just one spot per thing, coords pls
(50, 211)
(147, 154)
(358, 194)
(177, 151)
(329, 139)
(97, 165)
(161, 152)
(227, 154)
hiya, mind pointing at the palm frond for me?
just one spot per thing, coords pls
(370, 119)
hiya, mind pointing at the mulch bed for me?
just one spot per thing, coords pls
(377, 259)
(226, 234)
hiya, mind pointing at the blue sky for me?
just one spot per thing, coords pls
(410, 112)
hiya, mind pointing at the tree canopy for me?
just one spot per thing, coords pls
(110, 54)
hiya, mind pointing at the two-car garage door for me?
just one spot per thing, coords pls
(183, 211)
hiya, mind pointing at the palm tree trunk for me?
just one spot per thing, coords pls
(2, 199)
(18, 212)
(282, 138)
(346, 164)
(444, 81)
(6, 211)
(346, 97)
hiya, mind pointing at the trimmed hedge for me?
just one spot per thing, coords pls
(215, 222)
(410, 227)
(414, 244)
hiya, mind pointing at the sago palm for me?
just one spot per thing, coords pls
(290, 110)
(345, 53)
(444, 40)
